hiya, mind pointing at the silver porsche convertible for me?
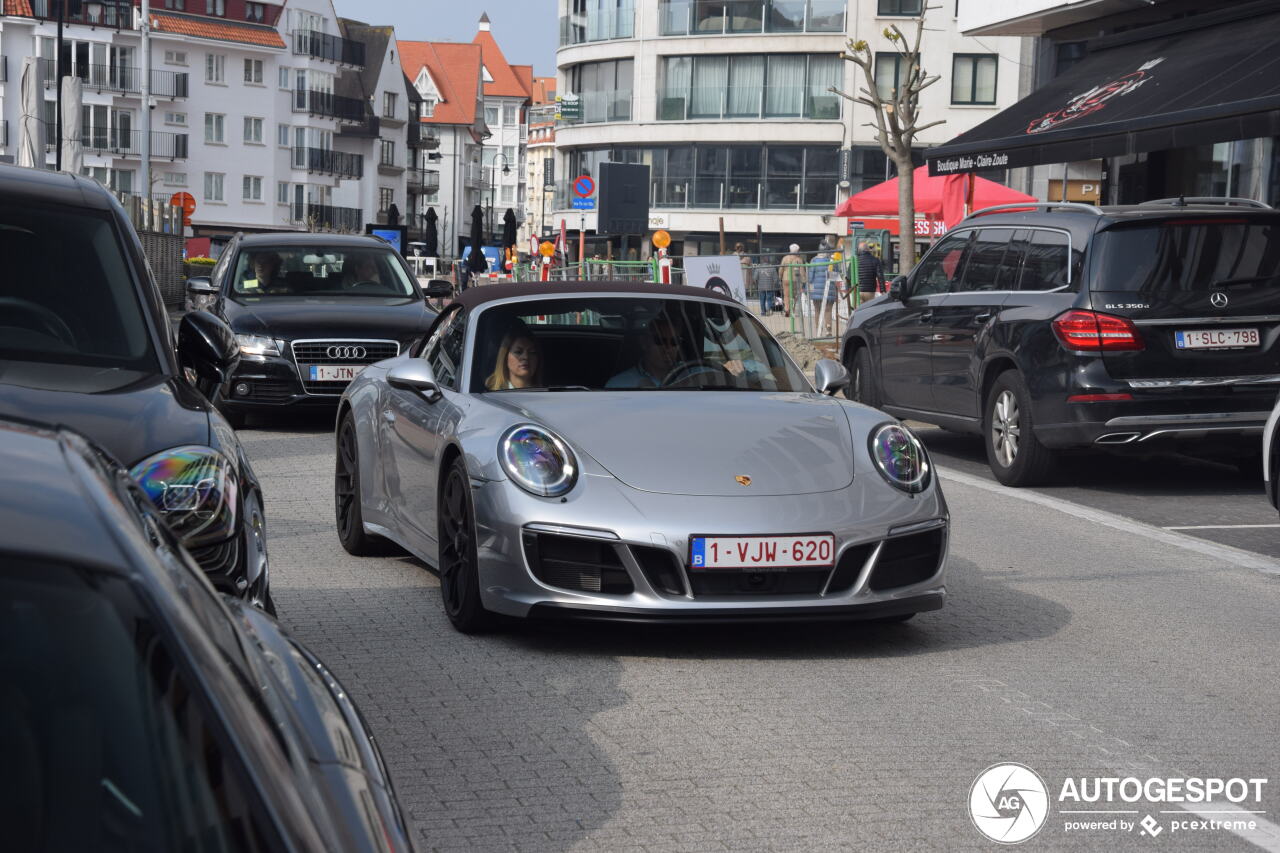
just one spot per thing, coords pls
(634, 452)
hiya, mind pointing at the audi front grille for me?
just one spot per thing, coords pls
(334, 352)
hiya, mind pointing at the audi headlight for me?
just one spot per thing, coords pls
(194, 487)
(257, 345)
(900, 458)
(538, 461)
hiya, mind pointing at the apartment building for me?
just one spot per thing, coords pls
(729, 105)
(540, 160)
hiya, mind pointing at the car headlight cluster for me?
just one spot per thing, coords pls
(259, 345)
(900, 458)
(194, 487)
(538, 460)
(200, 301)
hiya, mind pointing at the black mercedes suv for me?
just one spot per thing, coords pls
(85, 342)
(309, 312)
(1052, 326)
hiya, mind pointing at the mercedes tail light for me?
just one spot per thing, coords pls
(1089, 331)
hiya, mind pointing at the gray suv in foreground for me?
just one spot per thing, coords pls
(1052, 326)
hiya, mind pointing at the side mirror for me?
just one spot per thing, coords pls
(897, 287)
(829, 376)
(207, 345)
(415, 375)
(439, 288)
(200, 293)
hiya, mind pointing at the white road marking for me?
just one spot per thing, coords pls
(1225, 553)
(1221, 527)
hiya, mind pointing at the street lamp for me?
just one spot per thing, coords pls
(493, 186)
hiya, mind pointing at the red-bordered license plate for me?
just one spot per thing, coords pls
(1217, 339)
(763, 553)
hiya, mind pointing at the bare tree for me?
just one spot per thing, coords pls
(897, 117)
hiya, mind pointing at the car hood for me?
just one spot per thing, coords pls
(698, 442)
(132, 421)
(334, 317)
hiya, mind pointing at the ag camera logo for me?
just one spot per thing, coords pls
(1008, 803)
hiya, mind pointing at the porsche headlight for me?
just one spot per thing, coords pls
(194, 487)
(900, 458)
(538, 461)
(257, 345)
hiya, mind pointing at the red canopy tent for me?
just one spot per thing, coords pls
(937, 197)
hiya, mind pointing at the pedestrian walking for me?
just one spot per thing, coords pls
(766, 275)
(793, 281)
(822, 290)
(740, 249)
(870, 271)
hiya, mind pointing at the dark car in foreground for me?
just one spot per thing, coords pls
(85, 342)
(1053, 326)
(141, 710)
(309, 312)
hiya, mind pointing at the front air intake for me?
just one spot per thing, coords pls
(577, 564)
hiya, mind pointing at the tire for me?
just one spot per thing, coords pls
(457, 563)
(1015, 455)
(346, 496)
(862, 383)
(255, 538)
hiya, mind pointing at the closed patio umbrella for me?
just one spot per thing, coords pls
(432, 238)
(476, 261)
(31, 129)
(509, 228)
(72, 127)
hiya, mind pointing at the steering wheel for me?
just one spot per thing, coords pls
(44, 319)
(692, 367)
(366, 284)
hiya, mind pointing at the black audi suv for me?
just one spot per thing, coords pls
(309, 312)
(139, 709)
(85, 342)
(1053, 326)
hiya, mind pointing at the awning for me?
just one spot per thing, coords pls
(1192, 87)
(940, 197)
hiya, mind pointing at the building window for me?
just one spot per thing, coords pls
(893, 8)
(179, 119)
(215, 68)
(252, 188)
(889, 71)
(387, 155)
(787, 85)
(386, 198)
(491, 117)
(509, 115)
(428, 107)
(704, 18)
(973, 78)
(597, 20)
(176, 5)
(389, 104)
(504, 194)
(509, 155)
(286, 78)
(214, 128)
(282, 192)
(213, 186)
(215, 7)
(175, 179)
(282, 135)
(255, 12)
(253, 71)
(175, 57)
(603, 89)
(253, 130)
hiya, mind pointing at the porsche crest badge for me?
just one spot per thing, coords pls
(743, 480)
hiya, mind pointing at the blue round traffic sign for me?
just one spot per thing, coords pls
(584, 186)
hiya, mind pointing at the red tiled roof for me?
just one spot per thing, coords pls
(18, 7)
(455, 69)
(506, 82)
(543, 90)
(212, 28)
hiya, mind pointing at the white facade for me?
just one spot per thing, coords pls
(823, 126)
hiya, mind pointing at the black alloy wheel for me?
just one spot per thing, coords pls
(346, 496)
(459, 574)
(1015, 455)
(255, 541)
(862, 385)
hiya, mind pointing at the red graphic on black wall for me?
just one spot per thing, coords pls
(1095, 99)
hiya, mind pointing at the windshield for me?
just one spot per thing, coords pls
(594, 343)
(320, 271)
(1188, 255)
(67, 295)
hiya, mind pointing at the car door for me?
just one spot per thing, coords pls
(417, 429)
(906, 328)
(962, 317)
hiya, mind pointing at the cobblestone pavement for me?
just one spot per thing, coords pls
(1076, 648)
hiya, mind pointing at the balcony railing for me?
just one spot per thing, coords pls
(319, 103)
(328, 217)
(329, 162)
(117, 14)
(125, 79)
(333, 48)
(114, 142)
(424, 182)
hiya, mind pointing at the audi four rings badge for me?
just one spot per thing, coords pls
(345, 352)
(1218, 299)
